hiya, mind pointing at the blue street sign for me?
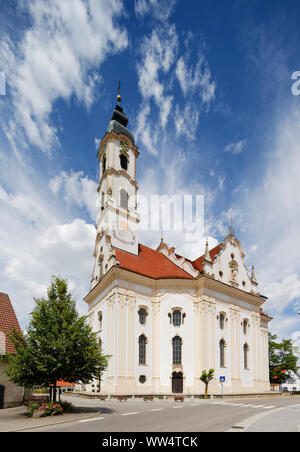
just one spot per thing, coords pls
(222, 379)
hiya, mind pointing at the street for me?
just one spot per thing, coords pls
(190, 416)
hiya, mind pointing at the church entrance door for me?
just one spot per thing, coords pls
(177, 383)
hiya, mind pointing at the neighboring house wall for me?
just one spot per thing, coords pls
(292, 384)
(13, 395)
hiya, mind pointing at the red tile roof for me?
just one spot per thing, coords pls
(150, 263)
(8, 321)
(61, 383)
(156, 265)
(213, 252)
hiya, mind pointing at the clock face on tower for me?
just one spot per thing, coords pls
(123, 237)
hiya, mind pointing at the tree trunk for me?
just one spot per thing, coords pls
(54, 392)
(206, 388)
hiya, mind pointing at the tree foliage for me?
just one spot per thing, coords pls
(58, 344)
(206, 377)
(282, 358)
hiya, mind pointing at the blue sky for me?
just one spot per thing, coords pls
(207, 89)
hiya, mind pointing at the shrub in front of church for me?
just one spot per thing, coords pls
(43, 409)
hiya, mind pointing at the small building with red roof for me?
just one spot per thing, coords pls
(10, 394)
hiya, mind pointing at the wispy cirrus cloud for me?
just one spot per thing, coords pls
(52, 61)
(236, 147)
(196, 79)
(159, 9)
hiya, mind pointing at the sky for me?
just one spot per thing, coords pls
(211, 93)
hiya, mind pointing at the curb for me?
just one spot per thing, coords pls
(244, 425)
(51, 423)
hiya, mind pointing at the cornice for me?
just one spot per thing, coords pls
(117, 136)
(161, 287)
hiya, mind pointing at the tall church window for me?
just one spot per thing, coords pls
(246, 353)
(142, 349)
(124, 199)
(100, 318)
(124, 162)
(222, 352)
(245, 326)
(103, 165)
(222, 321)
(142, 316)
(102, 201)
(176, 317)
(177, 350)
(101, 266)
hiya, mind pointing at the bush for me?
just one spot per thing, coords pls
(67, 407)
(32, 406)
(42, 409)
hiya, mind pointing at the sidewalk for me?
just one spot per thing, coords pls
(14, 419)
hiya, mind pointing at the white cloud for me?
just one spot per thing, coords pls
(186, 120)
(196, 79)
(237, 147)
(160, 9)
(39, 236)
(77, 189)
(158, 53)
(53, 61)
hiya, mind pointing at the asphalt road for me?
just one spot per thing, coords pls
(190, 416)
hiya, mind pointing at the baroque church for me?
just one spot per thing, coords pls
(161, 317)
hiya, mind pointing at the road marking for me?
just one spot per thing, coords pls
(257, 406)
(129, 414)
(89, 420)
(244, 406)
(158, 409)
(268, 407)
(177, 407)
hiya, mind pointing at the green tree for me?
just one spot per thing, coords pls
(281, 359)
(206, 377)
(58, 344)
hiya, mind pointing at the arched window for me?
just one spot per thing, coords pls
(222, 321)
(124, 199)
(101, 266)
(102, 201)
(176, 317)
(245, 326)
(177, 346)
(142, 349)
(100, 318)
(123, 162)
(246, 352)
(142, 316)
(222, 352)
(103, 165)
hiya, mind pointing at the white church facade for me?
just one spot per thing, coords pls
(162, 318)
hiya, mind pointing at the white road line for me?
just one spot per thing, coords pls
(244, 406)
(268, 407)
(258, 406)
(89, 420)
(158, 409)
(177, 407)
(129, 414)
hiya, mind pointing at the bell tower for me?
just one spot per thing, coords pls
(117, 217)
